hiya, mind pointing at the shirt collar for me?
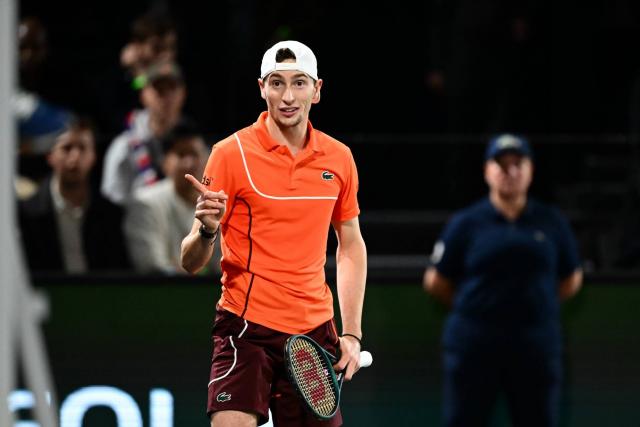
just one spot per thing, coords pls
(270, 144)
(59, 202)
(526, 212)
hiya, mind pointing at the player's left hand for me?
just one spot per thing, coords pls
(349, 357)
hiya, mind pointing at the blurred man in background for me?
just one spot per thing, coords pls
(152, 39)
(39, 117)
(40, 72)
(67, 227)
(159, 216)
(503, 265)
(134, 158)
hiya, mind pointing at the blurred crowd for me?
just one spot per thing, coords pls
(126, 207)
(470, 68)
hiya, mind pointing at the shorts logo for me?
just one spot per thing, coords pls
(327, 176)
(223, 397)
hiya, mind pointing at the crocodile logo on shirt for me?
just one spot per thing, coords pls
(223, 397)
(327, 176)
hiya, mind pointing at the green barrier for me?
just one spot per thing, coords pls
(151, 342)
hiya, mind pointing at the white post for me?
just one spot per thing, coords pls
(7, 206)
(20, 309)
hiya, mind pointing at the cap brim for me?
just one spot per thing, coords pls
(504, 151)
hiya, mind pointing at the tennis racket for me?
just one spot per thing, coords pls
(310, 369)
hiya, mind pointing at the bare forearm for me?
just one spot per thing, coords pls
(351, 263)
(570, 286)
(195, 252)
(438, 286)
(197, 248)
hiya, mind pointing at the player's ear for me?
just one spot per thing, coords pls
(262, 86)
(316, 91)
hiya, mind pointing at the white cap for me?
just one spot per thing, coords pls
(305, 59)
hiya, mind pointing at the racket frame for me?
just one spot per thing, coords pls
(335, 380)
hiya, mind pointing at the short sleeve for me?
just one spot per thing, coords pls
(347, 204)
(568, 257)
(217, 174)
(449, 251)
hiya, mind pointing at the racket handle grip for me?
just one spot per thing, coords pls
(366, 359)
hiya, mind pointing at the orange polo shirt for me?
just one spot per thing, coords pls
(274, 231)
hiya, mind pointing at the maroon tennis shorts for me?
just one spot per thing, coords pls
(248, 373)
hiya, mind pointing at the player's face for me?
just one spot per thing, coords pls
(289, 96)
(73, 156)
(509, 175)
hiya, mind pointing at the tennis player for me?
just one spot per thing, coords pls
(271, 192)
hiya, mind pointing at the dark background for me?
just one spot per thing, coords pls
(560, 66)
(565, 74)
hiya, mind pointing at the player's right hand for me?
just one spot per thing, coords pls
(210, 206)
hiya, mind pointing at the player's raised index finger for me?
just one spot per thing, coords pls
(196, 184)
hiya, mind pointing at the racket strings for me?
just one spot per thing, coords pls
(313, 377)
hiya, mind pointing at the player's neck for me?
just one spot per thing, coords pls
(294, 137)
(510, 207)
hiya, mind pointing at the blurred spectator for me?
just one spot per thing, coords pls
(39, 123)
(48, 70)
(504, 264)
(134, 158)
(67, 227)
(40, 72)
(39, 120)
(159, 216)
(33, 51)
(153, 39)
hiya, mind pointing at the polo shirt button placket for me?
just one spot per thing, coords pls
(292, 174)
